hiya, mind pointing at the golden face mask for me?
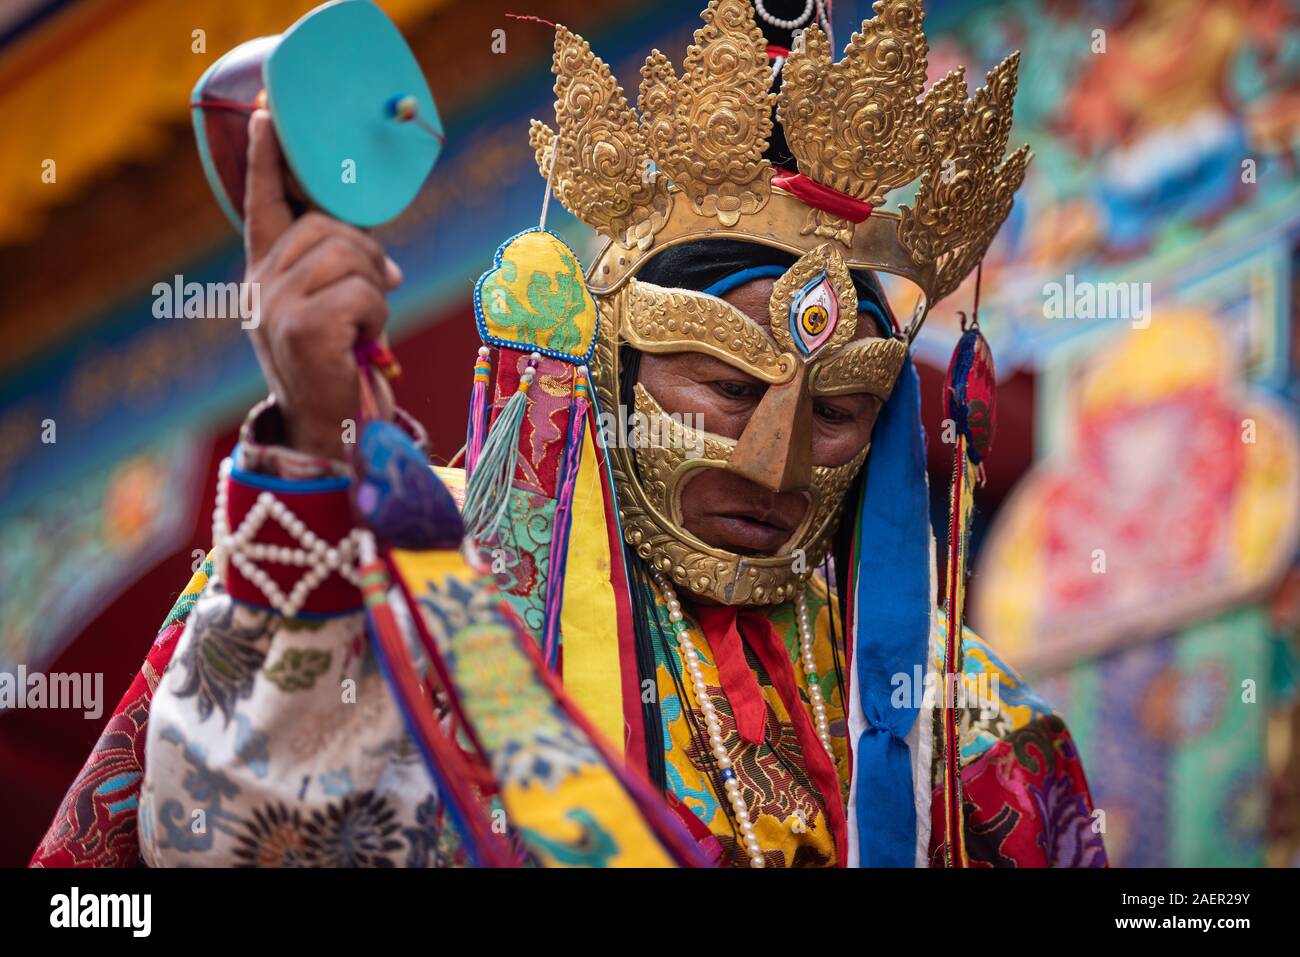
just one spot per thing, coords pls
(809, 350)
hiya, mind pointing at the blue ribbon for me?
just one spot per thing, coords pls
(892, 624)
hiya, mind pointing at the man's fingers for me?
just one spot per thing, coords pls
(393, 273)
(314, 228)
(330, 260)
(267, 214)
(356, 298)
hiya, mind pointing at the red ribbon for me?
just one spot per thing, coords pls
(748, 705)
(823, 197)
(722, 626)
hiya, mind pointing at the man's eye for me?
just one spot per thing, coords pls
(735, 390)
(828, 413)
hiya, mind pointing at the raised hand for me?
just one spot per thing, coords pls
(323, 285)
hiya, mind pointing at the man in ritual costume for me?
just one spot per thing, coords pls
(686, 611)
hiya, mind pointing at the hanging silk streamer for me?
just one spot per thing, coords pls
(597, 605)
(532, 300)
(444, 761)
(969, 393)
(674, 838)
(487, 494)
(411, 514)
(624, 820)
(563, 511)
(479, 409)
(888, 627)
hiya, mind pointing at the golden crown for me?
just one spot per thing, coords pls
(692, 165)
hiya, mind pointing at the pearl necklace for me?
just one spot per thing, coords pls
(783, 24)
(713, 725)
(810, 672)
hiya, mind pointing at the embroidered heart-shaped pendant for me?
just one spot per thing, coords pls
(397, 496)
(534, 299)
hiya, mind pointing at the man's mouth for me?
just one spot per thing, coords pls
(753, 532)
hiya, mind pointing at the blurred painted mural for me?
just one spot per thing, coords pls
(1141, 571)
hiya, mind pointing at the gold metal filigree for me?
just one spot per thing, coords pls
(871, 366)
(997, 200)
(651, 479)
(828, 226)
(966, 193)
(651, 473)
(659, 461)
(656, 319)
(860, 126)
(691, 167)
(602, 173)
(709, 128)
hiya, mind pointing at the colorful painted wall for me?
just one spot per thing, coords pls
(1141, 570)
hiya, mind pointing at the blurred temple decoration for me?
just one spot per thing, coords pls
(1134, 569)
(1142, 302)
(1143, 570)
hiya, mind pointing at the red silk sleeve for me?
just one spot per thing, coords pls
(96, 823)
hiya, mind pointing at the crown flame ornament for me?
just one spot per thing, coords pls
(691, 165)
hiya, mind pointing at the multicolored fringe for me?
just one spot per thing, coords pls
(479, 409)
(487, 493)
(563, 512)
(444, 761)
(960, 511)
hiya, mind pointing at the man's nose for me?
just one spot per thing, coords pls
(775, 450)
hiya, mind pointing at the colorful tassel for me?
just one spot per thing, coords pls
(370, 352)
(969, 404)
(487, 494)
(563, 509)
(478, 410)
